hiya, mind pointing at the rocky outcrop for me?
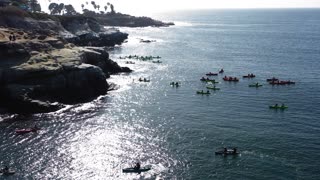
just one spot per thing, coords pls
(99, 57)
(107, 38)
(44, 78)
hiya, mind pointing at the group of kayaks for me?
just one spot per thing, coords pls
(276, 106)
(158, 61)
(130, 62)
(174, 84)
(143, 80)
(143, 58)
(272, 81)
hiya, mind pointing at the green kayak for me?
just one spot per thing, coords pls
(278, 107)
(213, 88)
(255, 85)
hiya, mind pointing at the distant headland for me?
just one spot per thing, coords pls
(47, 61)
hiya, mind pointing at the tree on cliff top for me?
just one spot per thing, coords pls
(34, 5)
(70, 10)
(59, 8)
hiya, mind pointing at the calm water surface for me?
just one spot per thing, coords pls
(176, 131)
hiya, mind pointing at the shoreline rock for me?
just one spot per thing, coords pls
(42, 78)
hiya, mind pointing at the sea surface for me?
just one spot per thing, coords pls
(175, 130)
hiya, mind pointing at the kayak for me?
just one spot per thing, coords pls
(255, 85)
(10, 172)
(273, 79)
(278, 83)
(147, 80)
(209, 80)
(229, 152)
(290, 82)
(25, 131)
(157, 61)
(251, 76)
(278, 107)
(231, 79)
(199, 92)
(213, 88)
(133, 170)
(212, 74)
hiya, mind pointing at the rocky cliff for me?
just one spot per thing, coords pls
(42, 70)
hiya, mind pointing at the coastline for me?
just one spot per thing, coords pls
(54, 61)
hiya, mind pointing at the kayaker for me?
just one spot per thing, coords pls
(137, 166)
(177, 84)
(282, 105)
(225, 150)
(257, 84)
(201, 91)
(208, 92)
(276, 105)
(5, 169)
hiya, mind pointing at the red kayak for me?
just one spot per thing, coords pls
(231, 79)
(289, 82)
(25, 131)
(278, 83)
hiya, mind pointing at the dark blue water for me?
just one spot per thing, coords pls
(176, 131)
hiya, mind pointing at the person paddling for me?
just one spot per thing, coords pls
(225, 150)
(5, 169)
(137, 166)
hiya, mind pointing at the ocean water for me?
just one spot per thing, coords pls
(176, 131)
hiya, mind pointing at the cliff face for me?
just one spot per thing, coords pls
(32, 80)
(79, 30)
(41, 71)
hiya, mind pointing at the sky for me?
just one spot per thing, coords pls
(146, 7)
